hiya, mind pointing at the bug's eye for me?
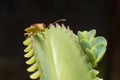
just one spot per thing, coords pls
(44, 25)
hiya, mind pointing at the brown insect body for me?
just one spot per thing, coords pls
(33, 29)
(38, 27)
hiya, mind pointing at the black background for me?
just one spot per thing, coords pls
(16, 15)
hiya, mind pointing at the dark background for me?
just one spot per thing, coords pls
(16, 15)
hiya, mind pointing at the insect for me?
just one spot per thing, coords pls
(35, 28)
(38, 27)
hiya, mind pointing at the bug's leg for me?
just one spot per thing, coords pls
(52, 24)
(43, 36)
(26, 35)
(59, 21)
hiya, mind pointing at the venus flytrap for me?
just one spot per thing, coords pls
(56, 53)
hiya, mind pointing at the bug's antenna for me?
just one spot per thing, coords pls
(59, 21)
